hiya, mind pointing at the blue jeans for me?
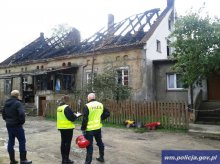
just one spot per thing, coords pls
(97, 134)
(16, 132)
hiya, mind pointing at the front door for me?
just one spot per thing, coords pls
(214, 88)
(41, 106)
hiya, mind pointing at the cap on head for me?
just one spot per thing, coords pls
(15, 93)
(91, 96)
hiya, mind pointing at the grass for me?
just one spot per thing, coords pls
(137, 130)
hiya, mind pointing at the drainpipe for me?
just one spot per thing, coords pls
(191, 95)
(82, 74)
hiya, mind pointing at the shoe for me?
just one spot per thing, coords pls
(100, 159)
(24, 159)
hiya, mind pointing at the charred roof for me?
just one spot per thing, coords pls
(130, 32)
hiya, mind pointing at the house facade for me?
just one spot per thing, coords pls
(138, 47)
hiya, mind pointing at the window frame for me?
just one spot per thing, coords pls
(88, 72)
(8, 83)
(123, 76)
(174, 81)
(158, 45)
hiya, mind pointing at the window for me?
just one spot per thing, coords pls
(7, 86)
(174, 81)
(64, 64)
(158, 46)
(168, 48)
(25, 81)
(122, 76)
(170, 24)
(125, 57)
(117, 58)
(171, 21)
(89, 76)
(37, 67)
(69, 64)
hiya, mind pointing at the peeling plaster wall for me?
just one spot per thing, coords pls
(161, 92)
(196, 90)
(16, 83)
(132, 59)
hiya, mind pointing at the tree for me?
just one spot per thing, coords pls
(105, 86)
(196, 44)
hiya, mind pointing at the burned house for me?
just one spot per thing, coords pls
(50, 67)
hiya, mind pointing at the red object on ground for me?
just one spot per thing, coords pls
(152, 125)
(82, 142)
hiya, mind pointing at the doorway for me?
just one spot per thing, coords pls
(42, 102)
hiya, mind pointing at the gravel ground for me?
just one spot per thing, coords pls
(123, 146)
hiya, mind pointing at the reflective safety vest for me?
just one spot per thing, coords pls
(94, 119)
(62, 121)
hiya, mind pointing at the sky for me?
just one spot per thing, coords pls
(22, 21)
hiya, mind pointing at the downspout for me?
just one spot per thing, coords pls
(82, 74)
(191, 95)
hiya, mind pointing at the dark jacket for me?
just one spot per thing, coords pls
(104, 115)
(13, 112)
(69, 113)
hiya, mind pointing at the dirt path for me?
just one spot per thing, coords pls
(123, 146)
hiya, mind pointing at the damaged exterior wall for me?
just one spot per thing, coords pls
(130, 44)
(132, 59)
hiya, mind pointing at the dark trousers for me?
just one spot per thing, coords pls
(16, 132)
(66, 138)
(97, 134)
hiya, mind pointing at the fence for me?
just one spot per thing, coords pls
(170, 114)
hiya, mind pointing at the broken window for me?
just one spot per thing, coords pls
(7, 86)
(174, 81)
(41, 82)
(122, 76)
(27, 88)
(56, 81)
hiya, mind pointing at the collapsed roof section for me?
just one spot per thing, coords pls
(127, 33)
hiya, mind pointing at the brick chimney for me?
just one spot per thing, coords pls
(110, 23)
(170, 3)
(42, 35)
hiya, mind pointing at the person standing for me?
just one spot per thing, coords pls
(65, 119)
(93, 114)
(14, 116)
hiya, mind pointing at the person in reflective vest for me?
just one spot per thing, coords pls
(93, 114)
(65, 119)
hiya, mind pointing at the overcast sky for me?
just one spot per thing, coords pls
(23, 20)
